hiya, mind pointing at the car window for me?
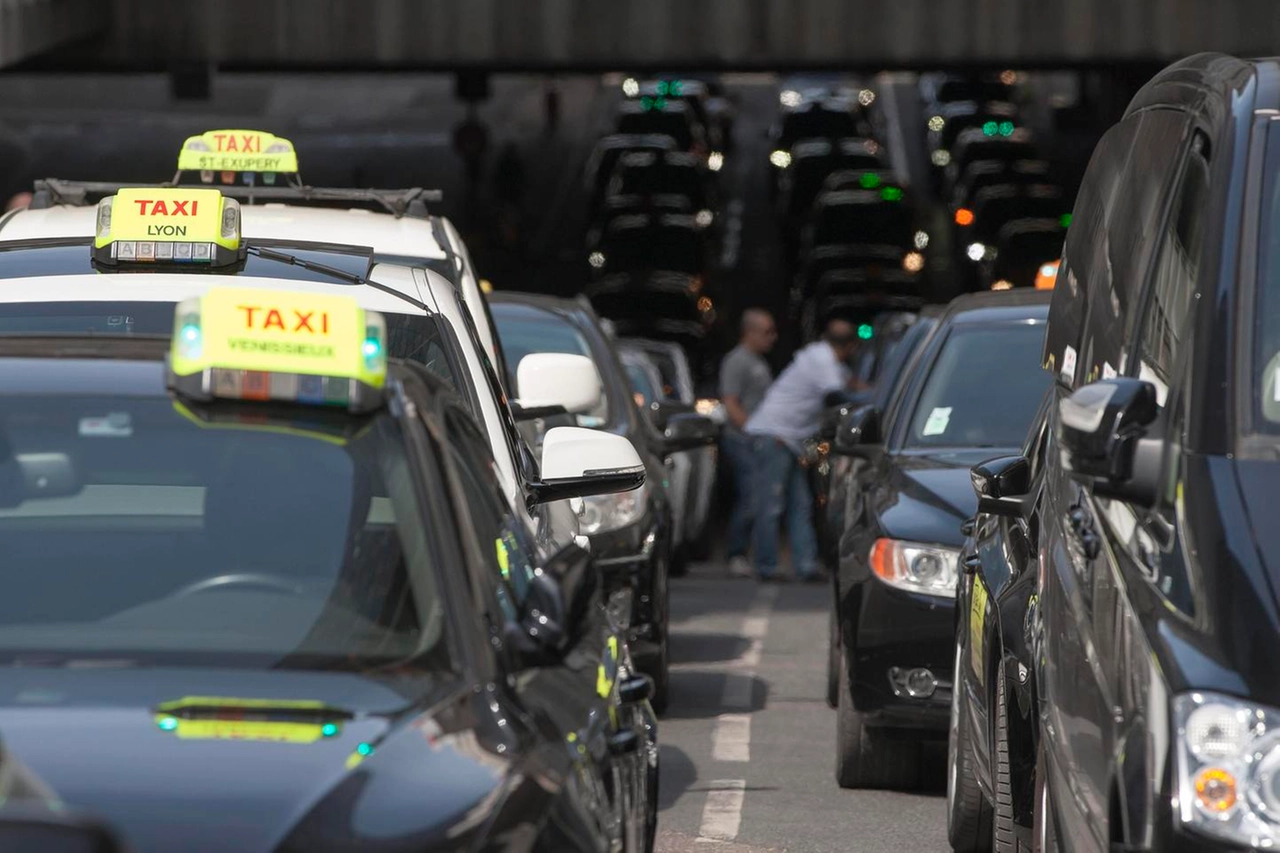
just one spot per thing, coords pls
(641, 383)
(1173, 282)
(201, 538)
(983, 389)
(525, 332)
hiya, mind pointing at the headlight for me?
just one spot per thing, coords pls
(780, 158)
(929, 569)
(1228, 768)
(606, 513)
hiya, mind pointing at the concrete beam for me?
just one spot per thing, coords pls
(31, 27)
(740, 34)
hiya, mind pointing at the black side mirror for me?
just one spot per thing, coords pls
(1104, 443)
(53, 832)
(555, 607)
(1001, 484)
(838, 406)
(688, 432)
(858, 430)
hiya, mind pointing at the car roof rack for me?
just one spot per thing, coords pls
(404, 202)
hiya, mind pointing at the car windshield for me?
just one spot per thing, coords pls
(165, 535)
(983, 389)
(524, 331)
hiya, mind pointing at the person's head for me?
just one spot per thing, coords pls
(19, 200)
(842, 337)
(759, 331)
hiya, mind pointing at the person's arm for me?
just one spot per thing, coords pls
(733, 408)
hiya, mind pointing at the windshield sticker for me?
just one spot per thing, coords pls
(1108, 372)
(937, 422)
(1069, 363)
(114, 425)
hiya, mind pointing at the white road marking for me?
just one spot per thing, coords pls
(731, 739)
(722, 815)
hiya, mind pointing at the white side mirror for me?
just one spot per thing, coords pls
(548, 379)
(578, 462)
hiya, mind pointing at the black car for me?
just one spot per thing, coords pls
(631, 533)
(1158, 618)
(675, 119)
(240, 623)
(994, 708)
(972, 390)
(605, 155)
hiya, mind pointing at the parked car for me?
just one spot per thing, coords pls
(974, 387)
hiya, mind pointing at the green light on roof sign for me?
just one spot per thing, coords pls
(990, 128)
(1065, 220)
(869, 180)
(891, 194)
(865, 331)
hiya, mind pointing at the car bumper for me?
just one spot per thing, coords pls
(897, 632)
(629, 559)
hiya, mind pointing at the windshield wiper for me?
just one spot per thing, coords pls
(333, 272)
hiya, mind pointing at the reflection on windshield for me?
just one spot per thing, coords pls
(282, 542)
(984, 389)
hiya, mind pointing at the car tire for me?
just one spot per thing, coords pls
(657, 664)
(968, 812)
(680, 560)
(866, 758)
(833, 658)
(1010, 836)
(1045, 827)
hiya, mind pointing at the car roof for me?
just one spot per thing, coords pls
(1003, 306)
(404, 236)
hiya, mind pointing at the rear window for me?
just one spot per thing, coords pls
(983, 389)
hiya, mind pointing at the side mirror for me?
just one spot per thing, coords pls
(555, 382)
(578, 462)
(555, 607)
(53, 832)
(858, 430)
(688, 432)
(1001, 484)
(1104, 443)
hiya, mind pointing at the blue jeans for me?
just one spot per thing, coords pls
(737, 449)
(782, 487)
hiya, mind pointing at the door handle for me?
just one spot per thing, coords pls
(971, 562)
(623, 742)
(967, 526)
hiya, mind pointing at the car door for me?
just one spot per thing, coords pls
(1006, 551)
(577, 694)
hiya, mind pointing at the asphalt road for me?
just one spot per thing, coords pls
(747, 745)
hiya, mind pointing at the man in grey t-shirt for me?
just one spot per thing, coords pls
(744, 380)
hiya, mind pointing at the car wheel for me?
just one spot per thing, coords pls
(1045, 830)
(866, 758)
(833, 658)
(968, 812)
(1010, 836)
(680, 560)
(657, 665)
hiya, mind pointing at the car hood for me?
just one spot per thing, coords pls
(928, 494)
(397, 775)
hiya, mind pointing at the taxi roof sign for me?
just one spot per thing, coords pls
(237, 151)
(308, 348)
(167, 225)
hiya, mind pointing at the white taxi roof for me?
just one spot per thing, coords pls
(174, 287)
(409, 237)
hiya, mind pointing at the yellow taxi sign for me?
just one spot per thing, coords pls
(237, 151)
(311, 348)
(167, 225)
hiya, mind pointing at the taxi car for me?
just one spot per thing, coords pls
(419, 252)
(1157, 608)
(973, 386)
(304, 615)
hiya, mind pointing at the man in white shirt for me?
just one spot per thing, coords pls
(788, 415)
